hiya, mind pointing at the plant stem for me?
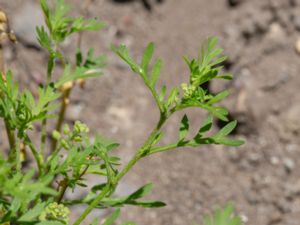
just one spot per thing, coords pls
(153, 92)
(9, 132)
(10, 136)
(85, 12)
(164, 148)
(64, 187)
(142, 152)
(61, 115)
(67, 93)
(44, 122)
(37, 156)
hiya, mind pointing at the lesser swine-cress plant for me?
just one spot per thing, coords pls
(35, 194)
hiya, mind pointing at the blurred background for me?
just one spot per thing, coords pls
(262, 40)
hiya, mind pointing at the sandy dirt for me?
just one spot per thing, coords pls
(262, 177)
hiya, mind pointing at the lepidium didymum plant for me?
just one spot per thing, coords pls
(35, 193)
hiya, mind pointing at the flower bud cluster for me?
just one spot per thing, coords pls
(55, 211)
(80, 130)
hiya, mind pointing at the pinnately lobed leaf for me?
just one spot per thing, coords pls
(36, 194)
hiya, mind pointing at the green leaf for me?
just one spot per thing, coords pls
(206, 126)
(226, 76)
(219, 112)
(45, 7)
(122, 51)
(33, 213)
(155, 72)
(44, 39)
(50, 223)
(184, 127)
(132, 199)
(147, 56)
(79, 73)
(95, 222)
(226, 130)
(80, 24)
(112, 218)
(128, 223)
(173, 97)
(162, 93)
(229, 142)
(46, 12)
(98, 187)
(141, 192)
(201, 141)
(223, 216)
(218, 97)
(148, 204)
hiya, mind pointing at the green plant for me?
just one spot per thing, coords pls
(223, 216)
(36, 194)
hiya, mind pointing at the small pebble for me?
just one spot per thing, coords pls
(244, 218)
(297, 46)
(289, 164)
(274, 160)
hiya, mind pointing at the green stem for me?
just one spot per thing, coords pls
(142, 152)
(164, 148)
(9, 132)
(18, 155)
(64, 187)
(65, 184)
(44, 122)
(37, 156)
(10, 136)
(61, 116)
(154, 94)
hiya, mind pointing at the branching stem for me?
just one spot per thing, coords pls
(142, 152)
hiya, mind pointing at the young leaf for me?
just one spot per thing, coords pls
(205, 127)
(218, 97)
(147, 56)
(44, 39)
(184, 127)
(229, 142)
(162, 94)
(173, 96)
(141, 192)
(46, 12)
(122, 51)
(226, 130)
(223, 217)
(155, 72)
(112, 218)
(219, 112)
(80, 24)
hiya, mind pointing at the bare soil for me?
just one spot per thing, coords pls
(262, 177)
